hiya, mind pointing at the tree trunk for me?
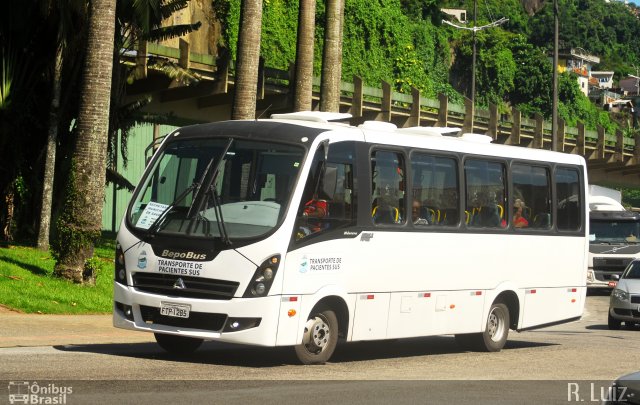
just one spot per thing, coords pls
(9, 195)
(332, 57)
(81, 219)
(248, 60)
(50, 161)
(304, 56)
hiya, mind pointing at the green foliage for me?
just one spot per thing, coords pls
(380, 42)
(279, 30)
(631, 197)
(606, 29)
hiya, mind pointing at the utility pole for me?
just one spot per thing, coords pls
(475, 29)
(473, 64)
(554, 112)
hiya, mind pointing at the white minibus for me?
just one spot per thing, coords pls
(300, 231)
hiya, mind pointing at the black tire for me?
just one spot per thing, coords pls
(320, 338)
(181, 345)
(495, 334)
(613, 323)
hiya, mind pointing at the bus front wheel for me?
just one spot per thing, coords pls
(181, 345)
(319, 339)
(495, 334)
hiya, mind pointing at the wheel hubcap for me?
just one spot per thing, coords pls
(495, 325)
(316, 335)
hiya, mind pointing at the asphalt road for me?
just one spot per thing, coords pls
(566, 363)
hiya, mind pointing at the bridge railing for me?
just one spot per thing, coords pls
(382, 103)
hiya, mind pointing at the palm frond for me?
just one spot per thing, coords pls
(172, 70)
(6, 77)
(164, 33)
(119, 180)
(167, 9)
(147, 13)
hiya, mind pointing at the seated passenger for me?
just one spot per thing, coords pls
(312, 214)
(415, 214)
(518, 220)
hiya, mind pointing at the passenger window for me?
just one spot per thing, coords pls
(486, 194)
(387, 185)
(568, 198)
(434, 190)
(329, 195)
(531, 204)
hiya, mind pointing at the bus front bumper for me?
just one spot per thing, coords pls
(239, 320)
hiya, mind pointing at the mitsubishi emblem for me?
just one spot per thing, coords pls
(179, 284)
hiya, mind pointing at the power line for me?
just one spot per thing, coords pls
(475, 29)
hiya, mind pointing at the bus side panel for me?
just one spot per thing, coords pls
(370, 319)
(547, 305)
(435, 312)
(290, 320)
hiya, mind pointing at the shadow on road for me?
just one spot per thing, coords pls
(254, 356)
(634, 327)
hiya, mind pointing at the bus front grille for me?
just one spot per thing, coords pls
(183, 286)
(196, 320)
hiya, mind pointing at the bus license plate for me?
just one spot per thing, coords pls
(174, 310)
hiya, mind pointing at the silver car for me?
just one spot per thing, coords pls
(624, 390)
(624, 305)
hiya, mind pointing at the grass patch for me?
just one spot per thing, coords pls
(27, 284)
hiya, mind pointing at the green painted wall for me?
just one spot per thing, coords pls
(115, 204)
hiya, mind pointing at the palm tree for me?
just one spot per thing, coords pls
(135, 21)
(81, 219)
(304, 56)
(248, 60)
(64, 12)
(332, 57)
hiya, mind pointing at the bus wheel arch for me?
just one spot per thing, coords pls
(510, 299)
(326, 323)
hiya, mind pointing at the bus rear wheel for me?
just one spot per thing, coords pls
(320, 338)
(495, 334)
(181, 345)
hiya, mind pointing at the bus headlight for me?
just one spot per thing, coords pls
(263, 278)
(620, 294)
(120, 270)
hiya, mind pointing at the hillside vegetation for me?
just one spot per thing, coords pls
(404, 42)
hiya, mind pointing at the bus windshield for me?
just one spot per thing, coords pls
(216, 187)
(614, 231)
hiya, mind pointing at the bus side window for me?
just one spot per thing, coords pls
(486, 193)
(387, 199)
(532, 188)
(435, 188)
(568, 199)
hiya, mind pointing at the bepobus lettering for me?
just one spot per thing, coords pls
(183, 255)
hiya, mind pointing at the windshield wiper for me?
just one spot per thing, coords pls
(155, 226)
(210, 190)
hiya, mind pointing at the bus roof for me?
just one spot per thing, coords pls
(289, 128)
